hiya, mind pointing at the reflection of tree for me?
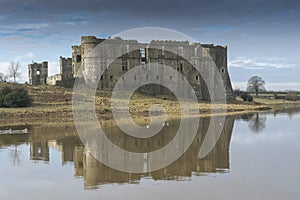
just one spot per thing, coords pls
(257, 123)
(15, 156)
(291, 112)
(247, 117)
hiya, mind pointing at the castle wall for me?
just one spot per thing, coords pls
(76, 59)
(53, 80)
(153, 53)
(160, 52)
(38, 73)
(65, 77)
(66, 68)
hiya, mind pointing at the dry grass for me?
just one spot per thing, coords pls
(54, 104)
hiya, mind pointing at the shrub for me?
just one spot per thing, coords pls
(237, 92)
(291, 96)
(14, 97)
(246, 97)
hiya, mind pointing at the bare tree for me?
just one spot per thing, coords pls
(256, 84)
(257, 123)
(14, 70)
(3, 77)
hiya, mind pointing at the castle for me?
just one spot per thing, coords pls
(152, 52)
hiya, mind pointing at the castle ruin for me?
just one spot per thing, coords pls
(38, 73)
(65, 77)
(152, 52)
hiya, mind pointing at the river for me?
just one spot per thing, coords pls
(255, 157)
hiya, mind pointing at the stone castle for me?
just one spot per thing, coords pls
(152, 52)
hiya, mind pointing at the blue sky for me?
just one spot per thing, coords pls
(262, 36)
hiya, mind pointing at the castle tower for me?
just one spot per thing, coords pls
(76, 59)
(66, 68)
(38, 73)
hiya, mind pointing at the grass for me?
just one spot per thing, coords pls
(54, 104)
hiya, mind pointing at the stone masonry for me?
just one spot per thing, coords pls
(65, 77)
(38, 73)
(152, 52)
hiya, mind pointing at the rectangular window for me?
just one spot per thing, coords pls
(180, 51)
(78, 58)
(124, 65)
(181, 67)
(143, 52)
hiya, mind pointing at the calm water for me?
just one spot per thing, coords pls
(256, 157)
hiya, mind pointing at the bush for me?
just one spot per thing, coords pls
(291, 96)
(237, 92)
(246, 97)
(14, 97)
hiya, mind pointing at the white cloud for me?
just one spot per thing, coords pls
(4, 66)
(29, 55)
(260, 63)
(53, 68)
(271, 85)
(21, 26)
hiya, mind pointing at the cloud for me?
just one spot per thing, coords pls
(4, 66)
(21, 58)
(19, 28)
(260, 63)
(53, 68)
(283, 86)
(28, 55)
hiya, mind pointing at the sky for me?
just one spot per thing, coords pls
(262, 35)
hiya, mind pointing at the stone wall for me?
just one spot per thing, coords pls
(180, 55)
(65, 77)
(153, 52)
(76, 59)
(38, 73)
(53, 80)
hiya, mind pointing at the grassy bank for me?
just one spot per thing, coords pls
(54, 104)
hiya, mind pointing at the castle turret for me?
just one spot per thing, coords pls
(38, 73)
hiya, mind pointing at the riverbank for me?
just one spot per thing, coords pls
(53, 104)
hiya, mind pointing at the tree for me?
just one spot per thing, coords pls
(246, 97)
(256, 84)
(14, 70)
(257, 123)
(14, 97)
(3, 77)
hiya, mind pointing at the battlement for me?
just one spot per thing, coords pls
(169, 42)
(91, 40)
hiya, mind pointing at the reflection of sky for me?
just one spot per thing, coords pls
(274, 131)
(264, 168)
(262, 35)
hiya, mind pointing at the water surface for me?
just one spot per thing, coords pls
(256, 157)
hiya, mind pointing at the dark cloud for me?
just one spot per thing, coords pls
(188, 11)
(252, 29)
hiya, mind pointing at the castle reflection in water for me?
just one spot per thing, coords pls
(64, 139)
